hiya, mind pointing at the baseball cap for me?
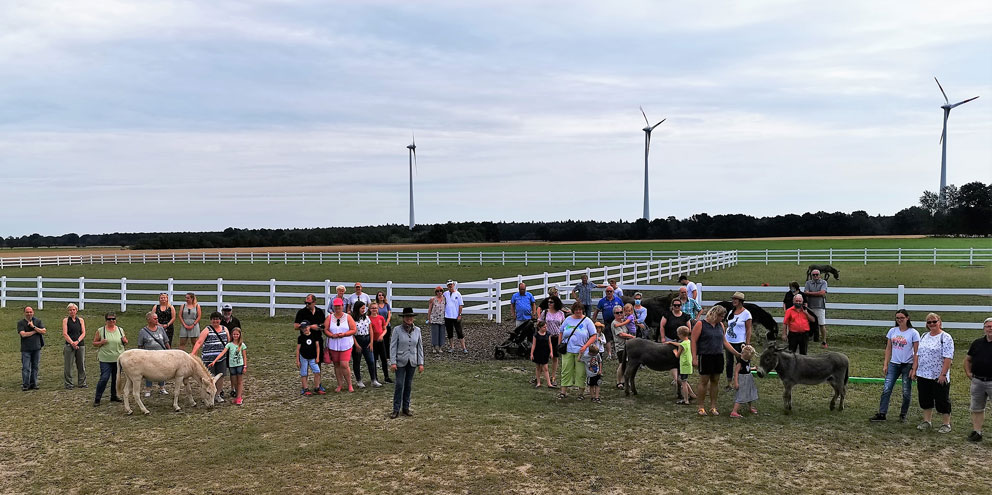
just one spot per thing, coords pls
(226, 307)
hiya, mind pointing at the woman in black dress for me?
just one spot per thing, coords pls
(540, 353)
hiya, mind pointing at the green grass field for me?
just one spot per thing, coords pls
(479, 427)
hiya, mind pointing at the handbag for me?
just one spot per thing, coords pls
(563, 345)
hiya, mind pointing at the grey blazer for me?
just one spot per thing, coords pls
(406, 348)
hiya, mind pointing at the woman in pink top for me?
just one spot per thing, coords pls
(339, 327)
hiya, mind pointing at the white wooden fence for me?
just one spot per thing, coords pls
(886, 310)
(569, 258)
(483, 297)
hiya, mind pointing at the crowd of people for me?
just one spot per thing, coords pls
(569, 348)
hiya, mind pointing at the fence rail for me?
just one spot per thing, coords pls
(483, 297)
(865, 256)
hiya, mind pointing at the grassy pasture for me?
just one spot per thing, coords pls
(478, 427)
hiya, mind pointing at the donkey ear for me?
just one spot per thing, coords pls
(217, 377)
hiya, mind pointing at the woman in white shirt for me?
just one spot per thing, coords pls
(933, 374)
(578, 333)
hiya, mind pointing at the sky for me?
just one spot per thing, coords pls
(122, 116)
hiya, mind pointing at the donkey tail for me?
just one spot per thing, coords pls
(121, 376)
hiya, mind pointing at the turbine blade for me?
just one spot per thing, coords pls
(414, 138)
(645, 117)
(941, 90)
(963, 102)
(415, 171)
(659, 123)
(944, 132)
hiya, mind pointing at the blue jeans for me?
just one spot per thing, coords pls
(30, 361)
(365, 343)
(404, 384)
(108, 372)
(896, 371)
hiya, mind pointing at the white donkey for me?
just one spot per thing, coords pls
(137, 364)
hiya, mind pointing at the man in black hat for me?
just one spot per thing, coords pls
(406, 351)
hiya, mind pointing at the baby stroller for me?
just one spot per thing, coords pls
(518, 343)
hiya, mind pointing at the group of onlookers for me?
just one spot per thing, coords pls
(927, 359)
(220, 343)
(358, 328)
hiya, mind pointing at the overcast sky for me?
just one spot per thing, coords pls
(167, 116)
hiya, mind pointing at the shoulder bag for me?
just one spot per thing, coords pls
(563, 345)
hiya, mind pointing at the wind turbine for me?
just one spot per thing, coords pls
(413, 160)
(943, 140)
(647, 146)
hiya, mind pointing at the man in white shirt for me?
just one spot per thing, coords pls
(453, 305)
(357, 296)
(691, 288)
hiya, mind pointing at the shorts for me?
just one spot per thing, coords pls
(981, 392)
(555, 340)
(218, 369)
(821, 315)
(192, 333)
(340, 356)
(309, 365)
(236, 370)
(593, 381)
(608, 330)
(710, 364)
(933, 395)
(454, 326)
(683, 377)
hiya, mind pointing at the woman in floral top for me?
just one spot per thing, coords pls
(554, 317)
(933, 374)
(435, 317)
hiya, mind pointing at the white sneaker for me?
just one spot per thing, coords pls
(163, 392)
(360, 384)
(376, 384)
(148, 393)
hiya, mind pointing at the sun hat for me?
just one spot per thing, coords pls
(739, 295)
(408, 312)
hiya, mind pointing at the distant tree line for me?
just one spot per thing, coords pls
(967, 211)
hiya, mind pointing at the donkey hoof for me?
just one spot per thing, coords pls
(146, 412)
(129, 412)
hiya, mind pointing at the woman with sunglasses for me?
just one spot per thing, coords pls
(110, 340)
(669, 327)
(435, 318)
(339, 328)
(381, 345)
(933, 374)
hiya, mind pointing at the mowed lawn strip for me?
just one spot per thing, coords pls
(478, 428)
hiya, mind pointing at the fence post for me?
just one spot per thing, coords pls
(766, 256)
(899, 257)
(418, 258)
(503, 257)
(901, 296)
(971, 256)
(935, 256)
(41, 299)
(606, 274)
(377, 257)
(545, 284)
(220, 293)
(798, 256)
(272, 297)
(82, 293)
(3, 291)
(389, 291)
(525, 258)
(491, 314)
(498, 302)
(437, 258)
(598, 257)
(568, 279)
(397, 253)
(866, 256)
(327, 293)
(123, 294)
(831, 256)
(480, 258)
(699, 293)
(624, 258)
(549, 258)
(285, 258)
(573, 258)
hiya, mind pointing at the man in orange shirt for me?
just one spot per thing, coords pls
(796, 323)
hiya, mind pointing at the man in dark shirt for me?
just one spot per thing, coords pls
(311, 314)
(978, 369)
(32, 333)
(228, 319)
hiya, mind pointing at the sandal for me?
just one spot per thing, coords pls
(581, 397)
(681, 403)
(714, 412)
(596, 400)
(735, 414)
(562, 396)
(702, 411)
(754, 410)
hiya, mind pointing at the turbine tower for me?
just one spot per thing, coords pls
(413, 160)
(647, 146)
(947, 106)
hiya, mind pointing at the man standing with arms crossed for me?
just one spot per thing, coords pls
(583, 293)
(453, 305)
(32, 333)
(816, 301)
